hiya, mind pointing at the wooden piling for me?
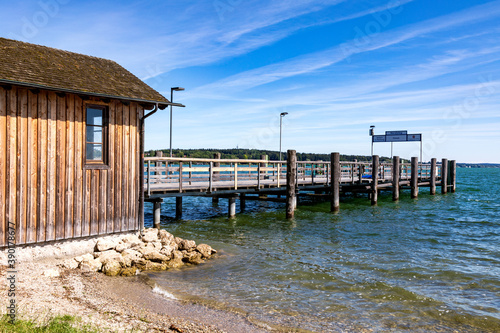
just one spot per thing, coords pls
(414, 177)
(444, 176)
(432, 185)
(335, 185)
(243, 202)
(374, 189)
(231, 209)
(157, 213)
(178, 207)
(291, 177)
(395, 178)
(453, 175)
(216, 165)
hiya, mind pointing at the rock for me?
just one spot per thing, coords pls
(130, 271)
(87, 256)
(104, 244)
(166, 238)
(178, 240)
(51, 273)
(177, 255)
(90, 265)
(167, 250)
(155, 256)
(132, 240)
(187, 245)
(150, 235)
(129, 255)
(112, 268)
(70, 264)
(193, 258)
(205, 250)
(120, 247)
(147, 265)
(175, 263)
(112, 255)
(156, 245)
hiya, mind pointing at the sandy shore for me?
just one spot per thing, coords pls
(112, 303)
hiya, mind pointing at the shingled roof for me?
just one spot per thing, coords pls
(48, 68)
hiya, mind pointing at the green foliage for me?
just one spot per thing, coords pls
(59, 324)
(255, 154)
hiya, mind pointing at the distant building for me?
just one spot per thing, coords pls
(70, 144)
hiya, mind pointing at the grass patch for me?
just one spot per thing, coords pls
(58, 324)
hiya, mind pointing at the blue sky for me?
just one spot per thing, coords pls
(336, 67)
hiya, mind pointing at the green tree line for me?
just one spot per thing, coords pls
(255, 154)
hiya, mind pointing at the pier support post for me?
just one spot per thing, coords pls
(231, 209)
(178, 207)
(215, 200)
(453, 175)
(444, 176)
(414, 177)
(395, 178)
(335, 185)
(432, 185)
(374, 192)
(243, 203)
(157, 213)
(291, 178)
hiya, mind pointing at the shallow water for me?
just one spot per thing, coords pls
(431, 264)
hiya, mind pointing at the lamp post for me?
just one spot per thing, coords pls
(282, 114)
(372, 133)
(172, 100)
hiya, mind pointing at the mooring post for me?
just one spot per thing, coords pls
(453, 175)
(178, 207)
(157, 213)
(360, 173)
(444, 176)
(374, 192)
(414, 177)
(432, 185)
(335, 185)
(291, 178)
(231, 209)
(395, 178)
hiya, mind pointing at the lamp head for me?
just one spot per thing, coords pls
(177, 89)
(283, 114)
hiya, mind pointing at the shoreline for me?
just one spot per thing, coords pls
(116, 304)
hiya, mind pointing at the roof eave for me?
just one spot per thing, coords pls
(161, 104)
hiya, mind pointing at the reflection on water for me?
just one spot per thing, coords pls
(431, 264)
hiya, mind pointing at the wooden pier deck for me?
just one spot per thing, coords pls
(254, 179)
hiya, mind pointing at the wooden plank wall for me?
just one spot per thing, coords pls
(45, 187)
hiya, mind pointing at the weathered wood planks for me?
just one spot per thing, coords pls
(46, 188)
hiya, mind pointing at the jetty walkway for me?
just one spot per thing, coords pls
(270, 180)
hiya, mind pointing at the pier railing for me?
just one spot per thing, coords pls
(183, 174)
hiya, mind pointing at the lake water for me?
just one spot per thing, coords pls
(430, 264)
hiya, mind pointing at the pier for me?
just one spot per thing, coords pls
(286, 181)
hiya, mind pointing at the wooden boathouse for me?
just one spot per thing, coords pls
(71, 144)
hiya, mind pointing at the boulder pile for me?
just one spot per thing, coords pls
(131, 254)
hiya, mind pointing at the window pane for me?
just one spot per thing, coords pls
(94, 116)
(94, 134)
(94, 152)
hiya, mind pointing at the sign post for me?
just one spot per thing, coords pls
(398, 136)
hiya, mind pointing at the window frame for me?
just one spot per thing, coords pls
(103, 163)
